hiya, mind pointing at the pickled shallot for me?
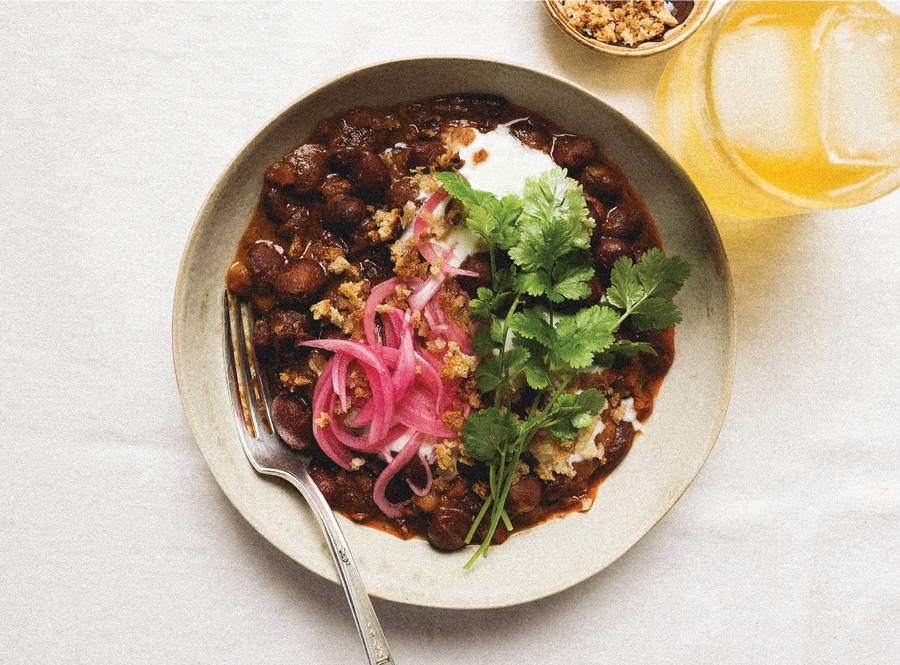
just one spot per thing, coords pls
(401, 417)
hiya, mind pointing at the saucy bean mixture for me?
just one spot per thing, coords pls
(334, 222)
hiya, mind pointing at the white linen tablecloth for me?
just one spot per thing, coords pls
(116, 543)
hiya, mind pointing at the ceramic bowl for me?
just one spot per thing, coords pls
(554, 556)
(671, 37)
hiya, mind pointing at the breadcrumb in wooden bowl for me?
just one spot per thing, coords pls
(631, 28)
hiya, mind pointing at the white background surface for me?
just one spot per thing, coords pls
(116, 544)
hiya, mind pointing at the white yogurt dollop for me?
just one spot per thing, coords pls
(509, 163)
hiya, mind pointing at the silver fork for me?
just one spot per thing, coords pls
(269, 454)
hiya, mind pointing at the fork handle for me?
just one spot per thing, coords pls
(367, 623)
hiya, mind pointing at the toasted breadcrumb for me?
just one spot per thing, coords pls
(407, 261)
(454, 418)
(292, 379)
(446, 453)
(629, 23)
(345, 308)
(457, 365)
(339, 265)
(389, 223)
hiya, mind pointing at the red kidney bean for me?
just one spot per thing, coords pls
(358, 503)
(280, 174)
(601, 182)
(288, 328)
(524, 496)
(573, 152)
(447, 528)
(609, 250)
(266, 259)
(597, 291)
(623, 221)
(310, 166)
(327, 484)
(471, 106)
(428, 503)
(532, 135)
(399, 194)
(369, 174)
(480, 263)
(424, 154)
(334, 185)
(373, 266)
(615, 452)
(305, 223)
(557, 488)
(344, 212)
(277, 205)
(293, 420)
(663, 342)
(237, 279)
(347, 142)
(300, 281)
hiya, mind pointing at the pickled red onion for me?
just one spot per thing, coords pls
(401, 460)
(408, 395)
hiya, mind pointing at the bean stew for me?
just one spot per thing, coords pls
(334, 223)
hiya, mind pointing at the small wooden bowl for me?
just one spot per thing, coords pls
(671, 37)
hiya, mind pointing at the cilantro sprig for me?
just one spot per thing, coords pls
(539, 247)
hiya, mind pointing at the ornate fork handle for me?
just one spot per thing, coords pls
(270, 455)
(361, 606)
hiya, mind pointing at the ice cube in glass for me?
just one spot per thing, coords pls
(761, 95)
(859, 89)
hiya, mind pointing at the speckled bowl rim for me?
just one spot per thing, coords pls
(539, 562)
(671, 37)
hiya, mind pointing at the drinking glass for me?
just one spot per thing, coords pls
(779, 108)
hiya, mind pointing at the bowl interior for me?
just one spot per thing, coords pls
(670, 38)
(688, 413)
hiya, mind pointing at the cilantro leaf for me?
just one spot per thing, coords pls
(653, 313)
(573, 413)
(661, 276)
(528, 323)
(570, 277)
(589, 332)
(553, 199)
(489, 373)
(482, 342)
(536, 371)
(541, 244)
(533, 283)
(491, 218)
(626, 287)
(489, 434)
(537, 376)
(498, 333)
(644, 289)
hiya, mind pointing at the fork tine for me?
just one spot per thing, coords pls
(260, 385)
(250, 390)
(239, 400)
(256, 400)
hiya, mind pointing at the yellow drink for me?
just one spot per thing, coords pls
(777, 108)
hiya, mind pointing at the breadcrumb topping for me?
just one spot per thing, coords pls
(457, 365)
(622, 23)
